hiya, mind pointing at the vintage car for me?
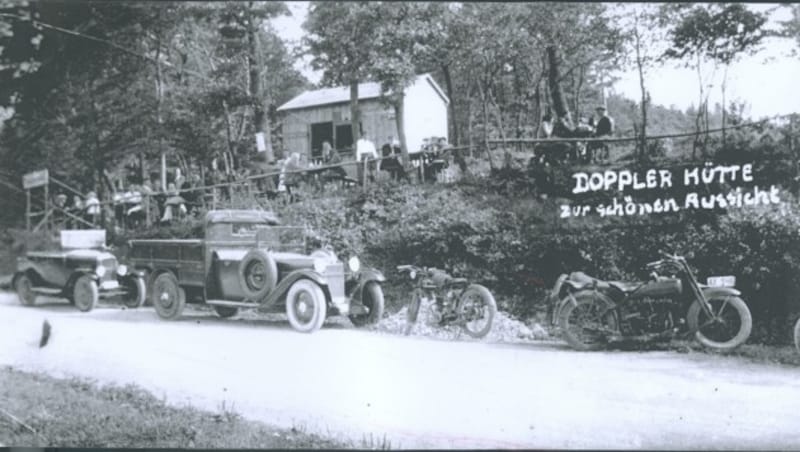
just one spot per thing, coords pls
(82, 271)
(246, 259)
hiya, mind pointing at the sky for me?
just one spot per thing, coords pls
(767, 82)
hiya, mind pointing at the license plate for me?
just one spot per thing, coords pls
(721, 281)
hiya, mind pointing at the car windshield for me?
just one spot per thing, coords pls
(283, 238)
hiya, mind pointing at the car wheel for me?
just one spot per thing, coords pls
(305, 306)
(167, 296)
(136, 292)
(372, 298)
(226, 311)
(85, 293)
(258, 274)
(24, 287)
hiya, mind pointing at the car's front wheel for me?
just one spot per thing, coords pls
(305, 306)
(85, 293)
(372, 299)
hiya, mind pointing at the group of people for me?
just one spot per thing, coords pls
(598, 126)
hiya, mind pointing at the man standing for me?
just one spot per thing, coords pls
(603, 126)
(365, 151)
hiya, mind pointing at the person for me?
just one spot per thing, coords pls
(75, 210)
(175, 204)
(365, 148)
(603, 126)
(330, 156)
(92, 208)
(365, 151)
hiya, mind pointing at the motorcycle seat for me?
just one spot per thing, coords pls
(624, 286)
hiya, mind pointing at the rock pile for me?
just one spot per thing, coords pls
(504, 328)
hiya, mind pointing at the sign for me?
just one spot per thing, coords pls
(721, 281)
(35, 179)
(260, 145)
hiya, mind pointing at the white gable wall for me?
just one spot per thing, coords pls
(425, 114)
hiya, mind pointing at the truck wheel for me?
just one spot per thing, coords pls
(305, 306)
(168, 297)
(372, 298)
(258, 274)
(136, 292)
(85, 293)
(226, 311)
(24, 287)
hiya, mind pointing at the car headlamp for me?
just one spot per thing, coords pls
(354, 264)
(122, 270)
(100, 270)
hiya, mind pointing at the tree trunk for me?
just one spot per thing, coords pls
(724, 107)
(448, 83)
(399, 111)
(485, 103)
(260, 117)
(355, 112)
(554, 74)
(160, 120)
(640, 67)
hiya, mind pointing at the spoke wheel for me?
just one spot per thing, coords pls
(476, 308)
(728, 327)
(85, 293)
(588, 323)
(24, 287)
(136, 292)
(372, 299)
(305, 306)
(168, 298)
(797, 335)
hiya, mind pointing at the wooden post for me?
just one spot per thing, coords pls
(47, 206)
(28, 210)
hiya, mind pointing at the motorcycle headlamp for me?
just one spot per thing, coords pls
(354, 264)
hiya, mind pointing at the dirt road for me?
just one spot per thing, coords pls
(419, 393)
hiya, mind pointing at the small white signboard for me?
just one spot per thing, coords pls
(35, 179)
(721, 281)
(260, 143)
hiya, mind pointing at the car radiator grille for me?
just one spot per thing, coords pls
(111, 270)
(335, 276)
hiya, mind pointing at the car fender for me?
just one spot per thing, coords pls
(284, 284)
(712, 292)
(356, 286)
(571, 298)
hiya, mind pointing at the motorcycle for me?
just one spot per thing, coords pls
(456, 301)
(592, 313)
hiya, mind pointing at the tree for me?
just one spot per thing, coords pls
(718, 33)
(338, 39)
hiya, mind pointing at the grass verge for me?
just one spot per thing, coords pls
(38, 411)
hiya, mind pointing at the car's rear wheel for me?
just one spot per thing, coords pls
(167, 296)
(85, 293)
(226, 311)
(24, 287)
(372, 299)
(305, 306)
(136, 292)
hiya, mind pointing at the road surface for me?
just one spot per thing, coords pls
(419, 393)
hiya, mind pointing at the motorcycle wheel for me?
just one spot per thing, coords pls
(730, 329)
(477, 308)
(586, 323)
(797, 335)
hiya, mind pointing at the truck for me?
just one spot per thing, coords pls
(248, 259)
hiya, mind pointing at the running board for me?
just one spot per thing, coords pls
(232, 304)
(47, 291)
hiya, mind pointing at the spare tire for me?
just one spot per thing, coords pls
(258, 274)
